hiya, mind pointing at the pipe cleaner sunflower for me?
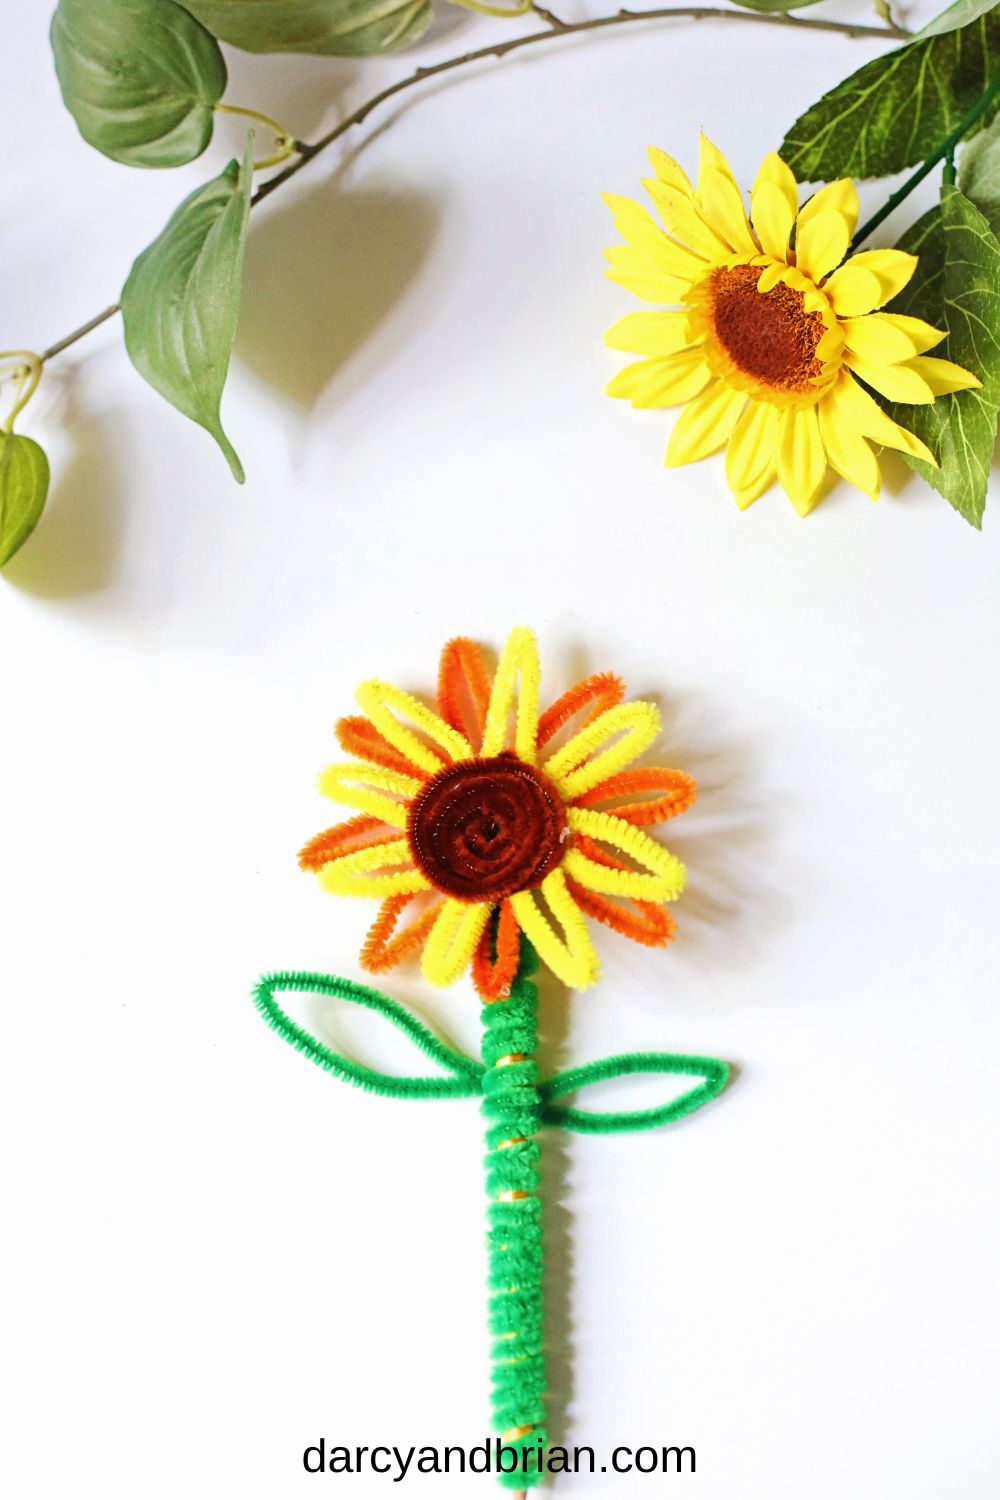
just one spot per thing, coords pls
(461, 809)
(774, 344)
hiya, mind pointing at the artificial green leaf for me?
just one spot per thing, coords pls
(771, 6)
(343, 28)
(895, 112)
(979, 174)
(181, 301)
(957, 286)
(959, 14)
(141, 78)
(24, 484)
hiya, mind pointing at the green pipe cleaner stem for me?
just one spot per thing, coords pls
(512, 1106)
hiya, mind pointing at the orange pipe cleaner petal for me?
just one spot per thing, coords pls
(358, 736)
(336, 840)
(493, 977)
(382, 950)
(648, 923)
(603, 689)
(462, 668)
(679, 791)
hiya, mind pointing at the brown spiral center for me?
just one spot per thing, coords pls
(484, 829)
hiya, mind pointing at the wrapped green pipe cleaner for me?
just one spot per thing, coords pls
(490, 831)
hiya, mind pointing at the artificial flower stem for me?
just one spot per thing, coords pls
(512, 1107)
(945, 152)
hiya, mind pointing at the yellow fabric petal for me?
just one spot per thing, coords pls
(644, 235)
(746, 497)
(711, 159)
(894, 382)
(850, 293)
(662, 382)
(350, 783)
(801, 456)
(704, 426)
(636, 272)
(773, 218)
(571, 956)
(721, 199)
(821, 243)
(942, 376)
(589, 757)
(853, 291)
(864, 414)
(723, 205)
(357, 873)
(770, 276)
(382, 702)
(452, 940)
(515, 689)
(669, 171)
(839, 197)
(648, 251)
(846, 449)
(683, 219)
(655, 333)
(662, 879)
(773, 171)
(752, 446)
(920, 334)
(885, 339)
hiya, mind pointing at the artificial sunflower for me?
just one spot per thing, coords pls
(778, 336)
(472, 812)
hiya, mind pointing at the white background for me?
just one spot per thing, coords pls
(219, 1255)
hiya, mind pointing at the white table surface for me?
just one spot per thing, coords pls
(217, 1254)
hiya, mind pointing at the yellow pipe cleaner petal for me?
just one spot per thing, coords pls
(572, 957)
(335, 783)
(668, 875)
(378, 699)
(348, 875)
(519, 667)
(452, 940)
(576, 769)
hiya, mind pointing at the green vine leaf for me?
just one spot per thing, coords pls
(181, 301)
(341, 28)
(895, 111)
(959, 14)
(957, 286)
(979, 174)
(24, 485)
(141, 78)
(770, 7)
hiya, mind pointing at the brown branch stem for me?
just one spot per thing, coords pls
(556, 29)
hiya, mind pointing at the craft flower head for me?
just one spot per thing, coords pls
(777, 336)
(470, 811)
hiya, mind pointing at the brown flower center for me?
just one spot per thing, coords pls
(483, 829)
(768, 336)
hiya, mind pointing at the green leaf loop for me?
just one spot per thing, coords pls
(714, 1075)
(141, 78)
(463, 1076)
